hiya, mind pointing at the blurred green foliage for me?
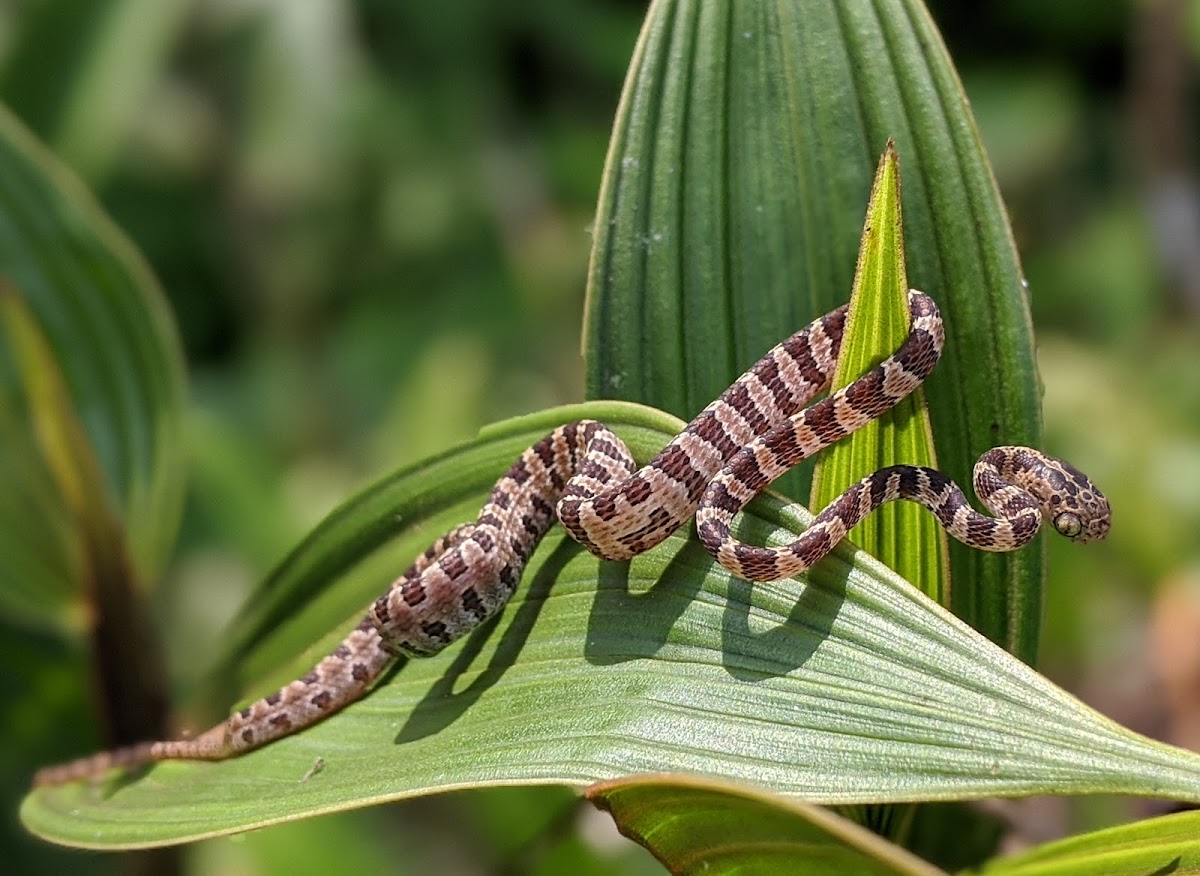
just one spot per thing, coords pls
(372, 222)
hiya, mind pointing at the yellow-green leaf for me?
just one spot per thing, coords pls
(700, 827)
(904, 536)
(1169, 844)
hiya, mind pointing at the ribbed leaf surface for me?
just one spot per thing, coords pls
(730, 213)
(904, 536)
(848, 686)
(1153, 847)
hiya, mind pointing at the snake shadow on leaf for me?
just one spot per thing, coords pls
(442, 705)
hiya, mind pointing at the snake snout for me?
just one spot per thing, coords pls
(1099, 524)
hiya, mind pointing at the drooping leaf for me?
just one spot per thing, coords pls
(112, 340)
(126, 669)
(846, 686)
(730, 211)
(698, 826)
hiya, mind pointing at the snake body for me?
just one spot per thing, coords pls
(583, 476)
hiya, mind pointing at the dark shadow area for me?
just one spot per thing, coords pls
(532, 854)
(441, 706)
(789, 645)
(125, 777)
(656, 610)
(955, 835)
(1167, 868)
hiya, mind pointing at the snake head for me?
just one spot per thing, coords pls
(1073, 503)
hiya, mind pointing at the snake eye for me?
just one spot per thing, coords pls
(1068, 524)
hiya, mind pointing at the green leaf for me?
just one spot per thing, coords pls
(707, 828)
(847, 686)
(59, 435)
(1163, 845)
(954, 834)
(112, 341)
(694, 825)
(99, 565)
(729, 215)
(39, 552)
(904, 536)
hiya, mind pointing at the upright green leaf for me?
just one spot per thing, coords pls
(905, 537)
(729, 215)
(91, 390)
(126, 665)
(58, 433)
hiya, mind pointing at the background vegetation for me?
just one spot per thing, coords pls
(372, 222)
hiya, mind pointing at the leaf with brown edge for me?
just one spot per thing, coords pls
(701, 827)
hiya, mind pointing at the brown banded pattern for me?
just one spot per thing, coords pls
(584, 476)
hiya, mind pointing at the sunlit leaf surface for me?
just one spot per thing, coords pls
(730, 213)
(848, 686)
(904, 536)
(1153, 847)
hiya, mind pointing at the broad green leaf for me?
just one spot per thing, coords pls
(1168, 844)
(904, 536)
(697, 826)
(111, 339)
(729, 215)
(847, 686)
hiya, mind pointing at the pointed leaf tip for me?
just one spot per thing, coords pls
(904, 536)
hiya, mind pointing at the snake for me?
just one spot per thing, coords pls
(583, 476)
